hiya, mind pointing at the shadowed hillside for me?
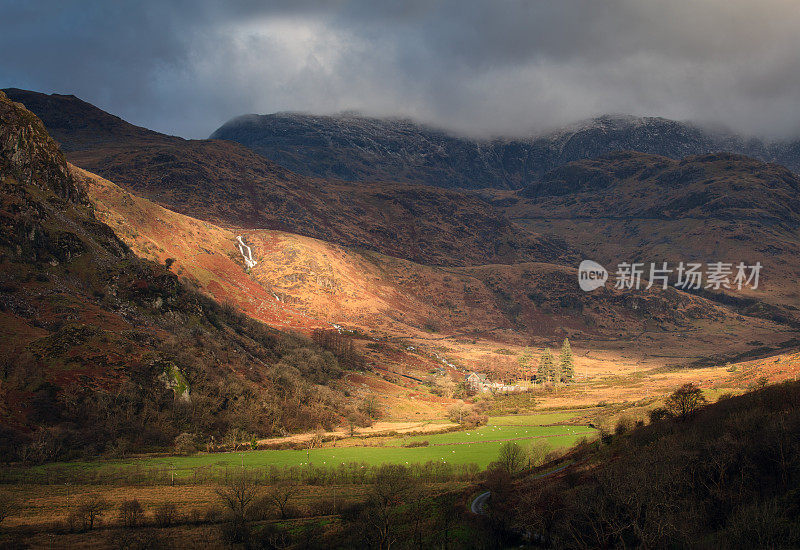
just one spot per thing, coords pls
(229, 185)
(103, 352)
(726, 476)
(630, 206)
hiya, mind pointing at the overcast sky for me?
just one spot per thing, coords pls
(185, 67)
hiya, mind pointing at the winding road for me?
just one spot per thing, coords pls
(478, 505)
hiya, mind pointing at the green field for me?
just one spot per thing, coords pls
(494, 432)
(541, 419)
(478, 452)
(476, 446)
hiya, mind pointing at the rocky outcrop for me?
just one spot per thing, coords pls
(29, 154)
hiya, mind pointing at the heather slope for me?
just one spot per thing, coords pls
(103, 352)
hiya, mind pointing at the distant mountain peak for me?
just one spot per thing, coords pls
(355, 147)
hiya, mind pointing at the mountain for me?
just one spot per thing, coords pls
(304, 283)
(226, 183)
(630, 206)
(423, 258)
(104, 352)
(356, 148)
(77, 125)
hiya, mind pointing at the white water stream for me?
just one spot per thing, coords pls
(248, 256)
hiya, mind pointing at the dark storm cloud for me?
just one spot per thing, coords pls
(481, 67)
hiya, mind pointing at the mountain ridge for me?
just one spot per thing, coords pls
(229, 184)
(357, 148)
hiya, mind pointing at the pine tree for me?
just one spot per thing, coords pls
(546, 371)
(524, 362)
(566, 362)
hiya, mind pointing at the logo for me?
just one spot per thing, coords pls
(591, 275)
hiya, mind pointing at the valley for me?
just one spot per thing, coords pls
(186, 314)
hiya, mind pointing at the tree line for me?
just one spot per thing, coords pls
(548, 369)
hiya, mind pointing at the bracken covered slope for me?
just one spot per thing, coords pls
(101, 351)
(228, 184)
(307, 283)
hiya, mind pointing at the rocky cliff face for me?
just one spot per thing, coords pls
(357, 148)
(30, 155)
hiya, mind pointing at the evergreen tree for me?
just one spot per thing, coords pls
(546, 371)
(566, 362)
(524, 362)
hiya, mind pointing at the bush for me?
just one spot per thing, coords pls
(131, 513)
(658, 414)
(324, 507)
(139, 539)
(236, 531)
(413, 444)
(623, 425)
(165, 514)
(185, 444)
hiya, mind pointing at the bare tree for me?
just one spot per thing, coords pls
(378, 519)
(131, 513)
(279, 496)
(418, 511)
(537, 453)
(237, 494)
(90, 511)
(370, 406)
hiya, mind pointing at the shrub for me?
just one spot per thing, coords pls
(165, 514)
(412, 444)
(134, 539)
(131, 513)
(324, 507)
(658, 414)
(236, 531)
(185, 444)
(623, 425)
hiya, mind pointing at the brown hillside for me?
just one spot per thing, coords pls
(304, 282)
